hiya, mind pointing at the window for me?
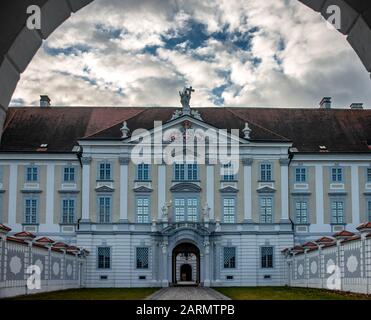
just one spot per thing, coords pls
(368, 174)
(143, 209)
(32, 174)
(301, 210)
(104, 258)
(229, 257)
(228, 172)
(68, 211)
(104, 209)
(266, 172)
(368, 210)
(142, 258)
(31, 211)
(229, 210)
(186, 209)
(69, 174)
(143, 172)
(337, 174)
(185, 172)
(192, 172)
(266, 209)
(300, 174)
(337, 210)
(105, 171)
(267, 257)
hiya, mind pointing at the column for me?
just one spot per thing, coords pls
(124, 179)
(319, 196)
(165, 264)
(49, 208)
(207, 263)
(247, 189)
(355, 195)
(161, 189)
(12, 214)
(86, 161)
(210, 185)
(284, 190)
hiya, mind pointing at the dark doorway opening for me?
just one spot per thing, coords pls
(186, 273)
(186, 264)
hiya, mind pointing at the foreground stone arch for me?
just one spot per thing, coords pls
(18, 44)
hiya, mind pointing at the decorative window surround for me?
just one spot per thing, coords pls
(301, 186)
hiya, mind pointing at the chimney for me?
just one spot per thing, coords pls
(45, 101)
(356, 106)
(325, 103)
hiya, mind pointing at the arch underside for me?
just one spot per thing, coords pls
(18, 44)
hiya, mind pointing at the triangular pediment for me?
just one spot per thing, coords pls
(229, 189)
(266, 189)
(104, 189)
(142, 189)
(185, 187)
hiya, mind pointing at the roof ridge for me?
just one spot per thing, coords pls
(261, 127)
(111, 126)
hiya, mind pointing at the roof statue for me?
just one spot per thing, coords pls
(185, 100)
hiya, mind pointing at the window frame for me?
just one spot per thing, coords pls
(138, 170)
(185, 172)
(225, 172)
(147, 197)
(37, 218)
(185, 197)
(266, 261)
(229, 267)
(69, 174)
(224, 197)
(336, 174)
(32, 174)
(368, 175)
(342, 200)
(264, 179)
(260, 208)
(109, 196)
(105, 163)
(301, 175)
(301, 200)
(148, 258)
(68, 198)
(368, 209)
(110, 258)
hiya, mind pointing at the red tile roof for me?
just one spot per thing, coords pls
(5, 228)
(60, 245)
(366, 225)
(344, 233)
(45, 240)
(24, 234)
(342, 130)
(324, 240)
(356, 237)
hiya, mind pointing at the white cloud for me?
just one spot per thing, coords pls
(292, 61)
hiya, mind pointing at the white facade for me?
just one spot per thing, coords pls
(135, 221)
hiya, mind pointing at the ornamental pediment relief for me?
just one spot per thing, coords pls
(229, 189)
(185, 187)
(142, 189)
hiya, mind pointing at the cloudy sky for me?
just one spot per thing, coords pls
(234, 52)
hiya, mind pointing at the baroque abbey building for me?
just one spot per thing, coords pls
(69, 174)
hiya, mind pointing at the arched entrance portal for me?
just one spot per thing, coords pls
(186, 264)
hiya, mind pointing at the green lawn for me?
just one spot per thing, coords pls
(93, 294)
(286, 293)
